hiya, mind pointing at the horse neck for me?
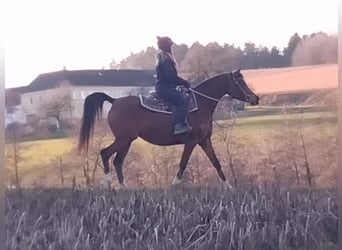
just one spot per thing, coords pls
(212, 88)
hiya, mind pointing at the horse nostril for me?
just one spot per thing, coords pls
(247, 98)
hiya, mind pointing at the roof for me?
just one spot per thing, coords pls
(104, 77)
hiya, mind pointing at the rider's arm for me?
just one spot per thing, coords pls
(170, 74)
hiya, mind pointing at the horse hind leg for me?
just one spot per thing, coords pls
(187, 151)
(118, 163)
(107, 152)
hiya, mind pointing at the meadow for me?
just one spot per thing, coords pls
(183, 218)
(39, 161)
(266, 154)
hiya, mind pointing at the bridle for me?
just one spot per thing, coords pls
(235, 80)
(204, 95)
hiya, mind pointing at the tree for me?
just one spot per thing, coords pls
(14, 157)
(12, 99)
(232, 57)
(249, 59)
(276, 59)
(58, 106)
(202, 62)
(194, 65)
(289, 50)
(319, 48)
(179, 52)
(145, 59)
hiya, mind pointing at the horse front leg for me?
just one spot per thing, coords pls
(207, 147)
(187, 151)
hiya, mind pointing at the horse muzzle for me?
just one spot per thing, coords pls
(252, 99)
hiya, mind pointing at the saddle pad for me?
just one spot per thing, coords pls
(154, 103)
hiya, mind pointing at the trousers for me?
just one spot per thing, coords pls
(180, 103)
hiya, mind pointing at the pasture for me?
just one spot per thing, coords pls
(40, 160)
(271, 207)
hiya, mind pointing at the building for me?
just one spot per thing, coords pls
(56, 96)
(62, 93)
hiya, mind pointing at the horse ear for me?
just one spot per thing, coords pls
(158, 37)
(238, 71)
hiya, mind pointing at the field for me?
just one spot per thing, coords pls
(40, 160)
(196, 218)
(196, 215)
(281, 162)
(293, 78)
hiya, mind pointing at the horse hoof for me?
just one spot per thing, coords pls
(123, 186)
(227, 185)
(108, 177)
(176, 181)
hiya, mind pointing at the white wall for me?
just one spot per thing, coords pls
(33, 102)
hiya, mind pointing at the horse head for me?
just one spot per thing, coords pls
(237, 88)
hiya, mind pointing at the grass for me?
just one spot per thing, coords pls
(253, 122)
(41, 157)
(43, 151)
(250, 217)
(197, 218)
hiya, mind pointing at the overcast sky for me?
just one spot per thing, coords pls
(44, 36)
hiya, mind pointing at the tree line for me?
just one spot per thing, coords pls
(199, 61)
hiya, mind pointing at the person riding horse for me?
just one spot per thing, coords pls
(167, 82)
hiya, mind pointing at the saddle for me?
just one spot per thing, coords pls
(155, 103)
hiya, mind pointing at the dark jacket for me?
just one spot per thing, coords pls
(167, 75)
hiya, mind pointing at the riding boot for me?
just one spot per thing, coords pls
(187, 124)
(180, 128)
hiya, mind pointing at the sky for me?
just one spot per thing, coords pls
(43, 35)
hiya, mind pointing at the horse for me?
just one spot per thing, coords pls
(128, 120)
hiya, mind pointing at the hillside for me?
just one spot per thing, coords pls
(293, 78)
(312, 97)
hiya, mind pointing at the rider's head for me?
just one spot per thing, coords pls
(165, 43)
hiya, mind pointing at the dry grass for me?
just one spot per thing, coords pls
(198, 218)
(39, 163)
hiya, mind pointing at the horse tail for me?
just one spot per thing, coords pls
(92, 110)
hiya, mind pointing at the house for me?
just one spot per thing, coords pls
(61, 94)
(56, 96)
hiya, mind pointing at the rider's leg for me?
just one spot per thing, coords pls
(181, 108)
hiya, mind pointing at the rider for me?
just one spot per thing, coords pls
(168, 80)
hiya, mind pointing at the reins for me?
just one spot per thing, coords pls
(204, 95)
(212, 99)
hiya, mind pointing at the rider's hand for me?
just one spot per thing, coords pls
(187, 85)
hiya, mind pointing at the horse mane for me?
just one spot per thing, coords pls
(209, 79)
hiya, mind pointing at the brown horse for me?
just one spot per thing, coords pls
(128, 120)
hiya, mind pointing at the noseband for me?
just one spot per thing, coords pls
(235, 80)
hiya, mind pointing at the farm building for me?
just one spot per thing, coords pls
(61, 94)
(65, 91)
